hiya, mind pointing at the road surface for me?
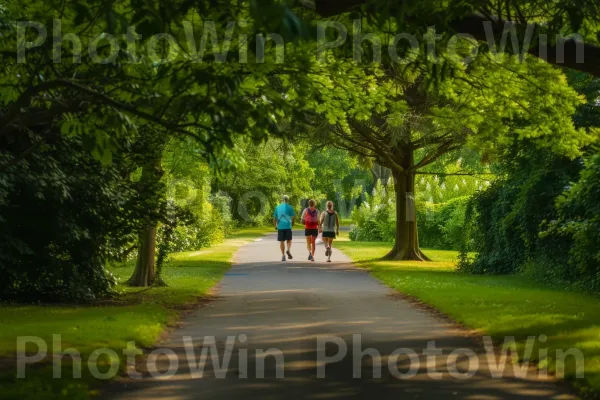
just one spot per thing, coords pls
(311, 322)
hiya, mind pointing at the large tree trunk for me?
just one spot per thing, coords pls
(144, 273)
(406, 246)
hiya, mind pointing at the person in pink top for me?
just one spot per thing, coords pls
(312, 227)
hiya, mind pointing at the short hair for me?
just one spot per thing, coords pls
(311, 203)
(330, 204)
(285, 198)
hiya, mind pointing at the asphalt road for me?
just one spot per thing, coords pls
(314, 320)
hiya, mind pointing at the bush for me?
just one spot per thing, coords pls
(441, 225)
(59, 210)
(208, 227)
(373, 224)
(528, 223)
(578, 224)
(508, 215)
(376, 217)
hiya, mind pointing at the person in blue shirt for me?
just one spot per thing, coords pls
(284, 217)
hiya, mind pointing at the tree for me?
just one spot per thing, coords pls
(130, 92)
(530, 18)
(410, 126)
(268, 171)
(538, 217)
(339, 176)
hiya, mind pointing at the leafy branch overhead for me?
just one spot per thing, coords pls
(530, 17)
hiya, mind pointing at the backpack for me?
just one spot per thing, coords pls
(311, 217)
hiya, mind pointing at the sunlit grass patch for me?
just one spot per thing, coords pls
(135, 314)
(498, 306)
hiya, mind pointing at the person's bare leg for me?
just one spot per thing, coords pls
(308, 243)
(282, 247)
(313, 242)
(289, 245)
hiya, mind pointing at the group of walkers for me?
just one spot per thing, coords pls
(314, 221)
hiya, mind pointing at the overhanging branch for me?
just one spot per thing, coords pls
(25, 98)
(454, 173)
(474, 26)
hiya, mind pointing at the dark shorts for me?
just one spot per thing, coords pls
(329, 235)
(284, 235)
(311, 232)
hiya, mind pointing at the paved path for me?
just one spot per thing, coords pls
(287, 306)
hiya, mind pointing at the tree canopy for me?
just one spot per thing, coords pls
(487, 20)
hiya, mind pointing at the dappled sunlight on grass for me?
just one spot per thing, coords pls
(498, 306)
(135, 314)
(85, 328)
(189, 274)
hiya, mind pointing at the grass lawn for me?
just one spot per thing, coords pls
(346, 222)
(134, 315)
(498, 306)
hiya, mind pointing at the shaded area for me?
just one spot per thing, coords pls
(288, 306)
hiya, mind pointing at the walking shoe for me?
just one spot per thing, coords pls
(326, 251)
(282, 258)
(289, 254)
(310, 257)
(329, 260)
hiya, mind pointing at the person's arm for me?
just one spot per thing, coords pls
(293, 216)
(337, 224)
(275, 218)
(302, 216)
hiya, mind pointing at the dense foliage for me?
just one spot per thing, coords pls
(440, 223)
(579, 223)
(61, 213)
(374, 220)
(507, 216)
(542, 220)
(109, 156)
(539, 217)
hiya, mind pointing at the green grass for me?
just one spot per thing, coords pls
(135, 314)
(346, 221)
(498, 306)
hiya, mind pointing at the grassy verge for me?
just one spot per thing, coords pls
(498, 306)
(134, 315)
(346, 222)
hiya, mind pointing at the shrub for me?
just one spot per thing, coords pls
(375, 218)
(59, 210)
(440, 225)
(578, 224)
(207, 227)
(510, 212)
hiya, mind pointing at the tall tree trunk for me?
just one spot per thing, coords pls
(406, 246)
(144, 273)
